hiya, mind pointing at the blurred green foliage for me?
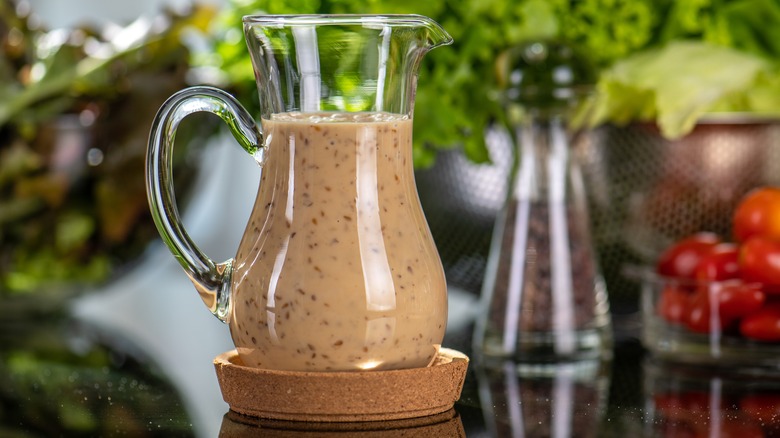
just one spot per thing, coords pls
(459, 87)
(65, 96)
(708, 56)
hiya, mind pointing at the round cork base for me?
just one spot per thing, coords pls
(342, 396)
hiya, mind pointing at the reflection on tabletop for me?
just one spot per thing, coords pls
(684, 401)
(559, 401)
(61, 377)
(446, 424)
(64, 377)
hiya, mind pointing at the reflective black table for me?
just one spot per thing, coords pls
(60, 376)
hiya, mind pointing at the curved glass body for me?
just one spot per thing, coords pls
(544, 299)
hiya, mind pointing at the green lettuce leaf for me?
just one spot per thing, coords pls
(678, 84)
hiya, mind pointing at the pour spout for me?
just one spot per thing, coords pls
(435, 34)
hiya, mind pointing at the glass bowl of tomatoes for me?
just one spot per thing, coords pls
(720, 323)
(717, 301)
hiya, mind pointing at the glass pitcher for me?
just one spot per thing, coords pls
(336, 269)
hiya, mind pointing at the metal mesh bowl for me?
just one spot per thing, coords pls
(644, 193)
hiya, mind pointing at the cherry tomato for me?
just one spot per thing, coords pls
(701, 319)
(763, 324)
(680, 259)
(758, 214)
(720, 263)
(759, 261)
(730, 300)
(673, 304)
(734, 298)
(763, 407)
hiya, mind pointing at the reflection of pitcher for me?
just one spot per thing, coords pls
(446, 424)
(336, 269)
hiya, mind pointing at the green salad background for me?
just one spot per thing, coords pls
(666, 61)
(670, 61)
(68, 220)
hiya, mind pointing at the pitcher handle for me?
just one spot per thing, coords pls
(212, 280)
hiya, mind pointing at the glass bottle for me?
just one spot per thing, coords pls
(543, 297)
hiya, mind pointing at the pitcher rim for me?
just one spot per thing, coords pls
(321, 19)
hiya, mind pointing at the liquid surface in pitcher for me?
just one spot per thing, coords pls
(337, 269)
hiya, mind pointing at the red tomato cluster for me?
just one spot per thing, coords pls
(733, 287)
(690, 414)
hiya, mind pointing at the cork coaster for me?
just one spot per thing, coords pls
(342, 396)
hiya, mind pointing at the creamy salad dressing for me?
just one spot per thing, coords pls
(336, 269)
